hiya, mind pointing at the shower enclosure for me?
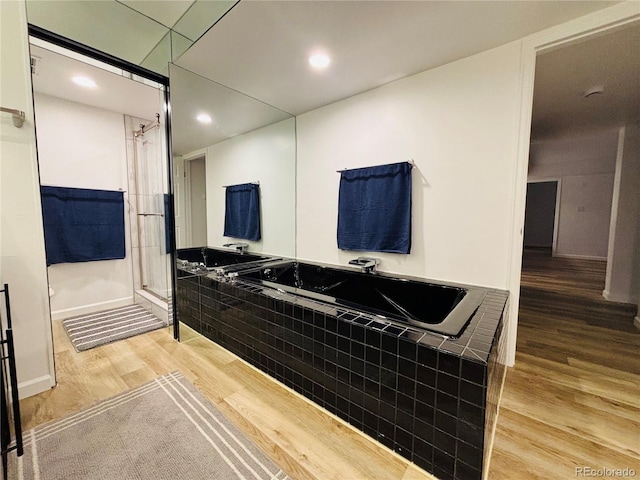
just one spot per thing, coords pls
(148, 201)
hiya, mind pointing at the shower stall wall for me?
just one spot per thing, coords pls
(148, 189)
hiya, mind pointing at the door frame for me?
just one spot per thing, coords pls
(556, 213)
(597, 23)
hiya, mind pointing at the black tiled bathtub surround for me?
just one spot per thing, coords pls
(431, 399)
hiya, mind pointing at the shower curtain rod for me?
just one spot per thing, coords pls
(149, 126)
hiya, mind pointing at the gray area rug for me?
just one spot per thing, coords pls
(164, 429)
(95, 329)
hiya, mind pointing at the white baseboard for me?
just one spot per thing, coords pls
(94, 307)
(582, 257)
(618, 298)
(35, 386)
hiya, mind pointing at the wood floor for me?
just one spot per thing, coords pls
(572, 399)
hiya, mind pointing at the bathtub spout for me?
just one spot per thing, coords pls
(240, 247)
(366, 264)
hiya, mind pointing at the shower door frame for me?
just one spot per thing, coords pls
(91, 52)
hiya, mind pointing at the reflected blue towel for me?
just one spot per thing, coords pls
(374, 209)
(82, 225)
(242, 212)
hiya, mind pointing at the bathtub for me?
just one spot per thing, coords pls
(215, 259)
(443, 309)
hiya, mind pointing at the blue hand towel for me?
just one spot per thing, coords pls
(82, 225)
(374, 209)
(242, 212)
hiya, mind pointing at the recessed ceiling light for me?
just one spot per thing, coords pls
(203, 118)
(319, 60)
(84, 82)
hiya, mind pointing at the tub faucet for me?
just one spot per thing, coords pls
(240, 247)
(203, 251)
(366, 264)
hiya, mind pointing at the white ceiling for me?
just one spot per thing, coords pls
(113, 92)
(261, 48)
(562, 76)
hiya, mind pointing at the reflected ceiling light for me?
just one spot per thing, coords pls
(319, 60)
(84, 82)
(597, 90)
(203, 118)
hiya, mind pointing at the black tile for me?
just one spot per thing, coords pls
(465, 472)
(373, 338)
(443, 461)
(372, 354)
(446, 403)
(407, 349)
(357, 366)
(389, 344)
(386, 429)
(406, 367)
(471, 414)
(440, 473)
(404, 420)
(427, 356)
(449, 363)
(357, 333)
(331, 324)
(370, 420)
(344, 345)
(422, 463)
(371, 404)
(406, 386)
(388, 393)
(472, 393)
(473, 371)
(426, 375)
(445, 422)
(469, 434)
(390, 361)
(394, 330)
(445, 442)
(357, 350)
(404, 441)
(470, 455)
(424, 412)
(423, 430)
(425, 394)
(344, 329)
(448, 384)
(388, 412)
(405, 403)
(330, 339)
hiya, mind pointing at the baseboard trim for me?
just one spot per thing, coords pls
(636, 322)
(35, 386)
(581, 257)
(619, 298)
(93, 307)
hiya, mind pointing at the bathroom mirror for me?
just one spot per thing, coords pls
(236, 140)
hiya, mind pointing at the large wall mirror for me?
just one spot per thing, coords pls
(223, 138)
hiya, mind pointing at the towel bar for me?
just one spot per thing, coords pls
(18, 116)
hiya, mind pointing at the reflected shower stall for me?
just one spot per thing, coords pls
(148, 200)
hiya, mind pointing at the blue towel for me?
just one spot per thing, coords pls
(242, 212)
(374, 209)
(82, 225)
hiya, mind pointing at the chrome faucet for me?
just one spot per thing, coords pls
(203, 251)
(240, 247)
(366, 264)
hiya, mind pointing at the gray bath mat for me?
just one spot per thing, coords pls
(95, 329)
(164, 429)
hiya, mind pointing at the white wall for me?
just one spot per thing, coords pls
(22, 257)
(267, 155)
(459, 124)
(585, 166)
(84, 147)
(622, 282)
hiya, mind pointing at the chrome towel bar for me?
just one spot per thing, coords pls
(18, 116)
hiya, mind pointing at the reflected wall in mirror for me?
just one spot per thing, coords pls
(237, 140)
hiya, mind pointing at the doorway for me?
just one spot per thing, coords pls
(541, 215)
(196, 179)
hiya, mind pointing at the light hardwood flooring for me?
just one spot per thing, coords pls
(572, 399)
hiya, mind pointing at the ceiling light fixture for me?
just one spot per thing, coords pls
(84, 82)
(204, 118)
(319, 60)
